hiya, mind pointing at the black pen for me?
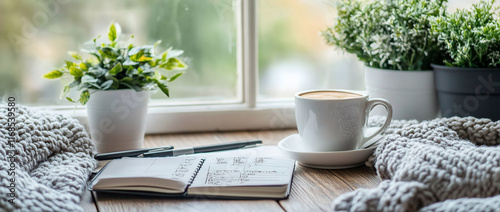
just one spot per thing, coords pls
(128, 153)
(200, 149)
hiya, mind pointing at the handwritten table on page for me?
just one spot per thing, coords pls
(244, 171)
(245, 167)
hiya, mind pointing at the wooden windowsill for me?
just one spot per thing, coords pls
(312, 189)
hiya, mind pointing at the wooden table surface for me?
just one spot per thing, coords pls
(312, 189)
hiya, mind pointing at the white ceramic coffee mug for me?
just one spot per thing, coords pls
(335, 120)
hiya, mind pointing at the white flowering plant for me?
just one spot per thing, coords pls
(388, 34)
(471, 38)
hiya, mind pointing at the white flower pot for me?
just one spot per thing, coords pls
(411, 93)
(117, 119)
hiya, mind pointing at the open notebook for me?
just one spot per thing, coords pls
(260, 173)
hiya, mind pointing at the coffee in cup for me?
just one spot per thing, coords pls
(335, 120)
(329, 95)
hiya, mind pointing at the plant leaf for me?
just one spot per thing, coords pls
(69, 64)
(108, 52)
(127, 79)
(117, 69)
(128, 85)
(112, 33)
(162, 87)
(149, 70)
(116, 83)
(137, 56)
(167, 66)
(88, 79)
(172, 63)
(84, 67)
(84, 97)
(152, 63)
(134, 50)
(137, 87)
(130, 63)
(75, 55)
(181, 64)
(174, 53)
(175, 77)
(76, 72)
(98, 72)
(53, 74)
(69, 99)
(107, 84)
(130, 71)
(95, 85)
(144, 59)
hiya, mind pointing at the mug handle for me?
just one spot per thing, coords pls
(372, 103)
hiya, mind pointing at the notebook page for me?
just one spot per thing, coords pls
(176, 168)
(261, 166)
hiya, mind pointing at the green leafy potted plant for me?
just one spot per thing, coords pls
(394, 40)
(114, 83)
(468, 83)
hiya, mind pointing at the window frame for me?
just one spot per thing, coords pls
(247, 114)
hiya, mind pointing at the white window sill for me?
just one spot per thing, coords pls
(199, 118)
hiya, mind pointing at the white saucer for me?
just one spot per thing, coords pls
(291, 146)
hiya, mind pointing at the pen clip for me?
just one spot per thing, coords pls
(159, 149)
(249, 145)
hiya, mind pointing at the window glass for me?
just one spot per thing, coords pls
(453, 5)
(294, 57)
(292, 54)
(35, 36)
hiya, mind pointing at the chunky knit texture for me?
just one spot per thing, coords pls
(53, 159)
(447, 164)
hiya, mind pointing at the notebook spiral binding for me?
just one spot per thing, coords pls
(196, 172)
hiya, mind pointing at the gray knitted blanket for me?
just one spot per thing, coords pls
(448, 164)
(46, 167)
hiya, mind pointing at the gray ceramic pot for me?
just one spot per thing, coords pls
(468, 91)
